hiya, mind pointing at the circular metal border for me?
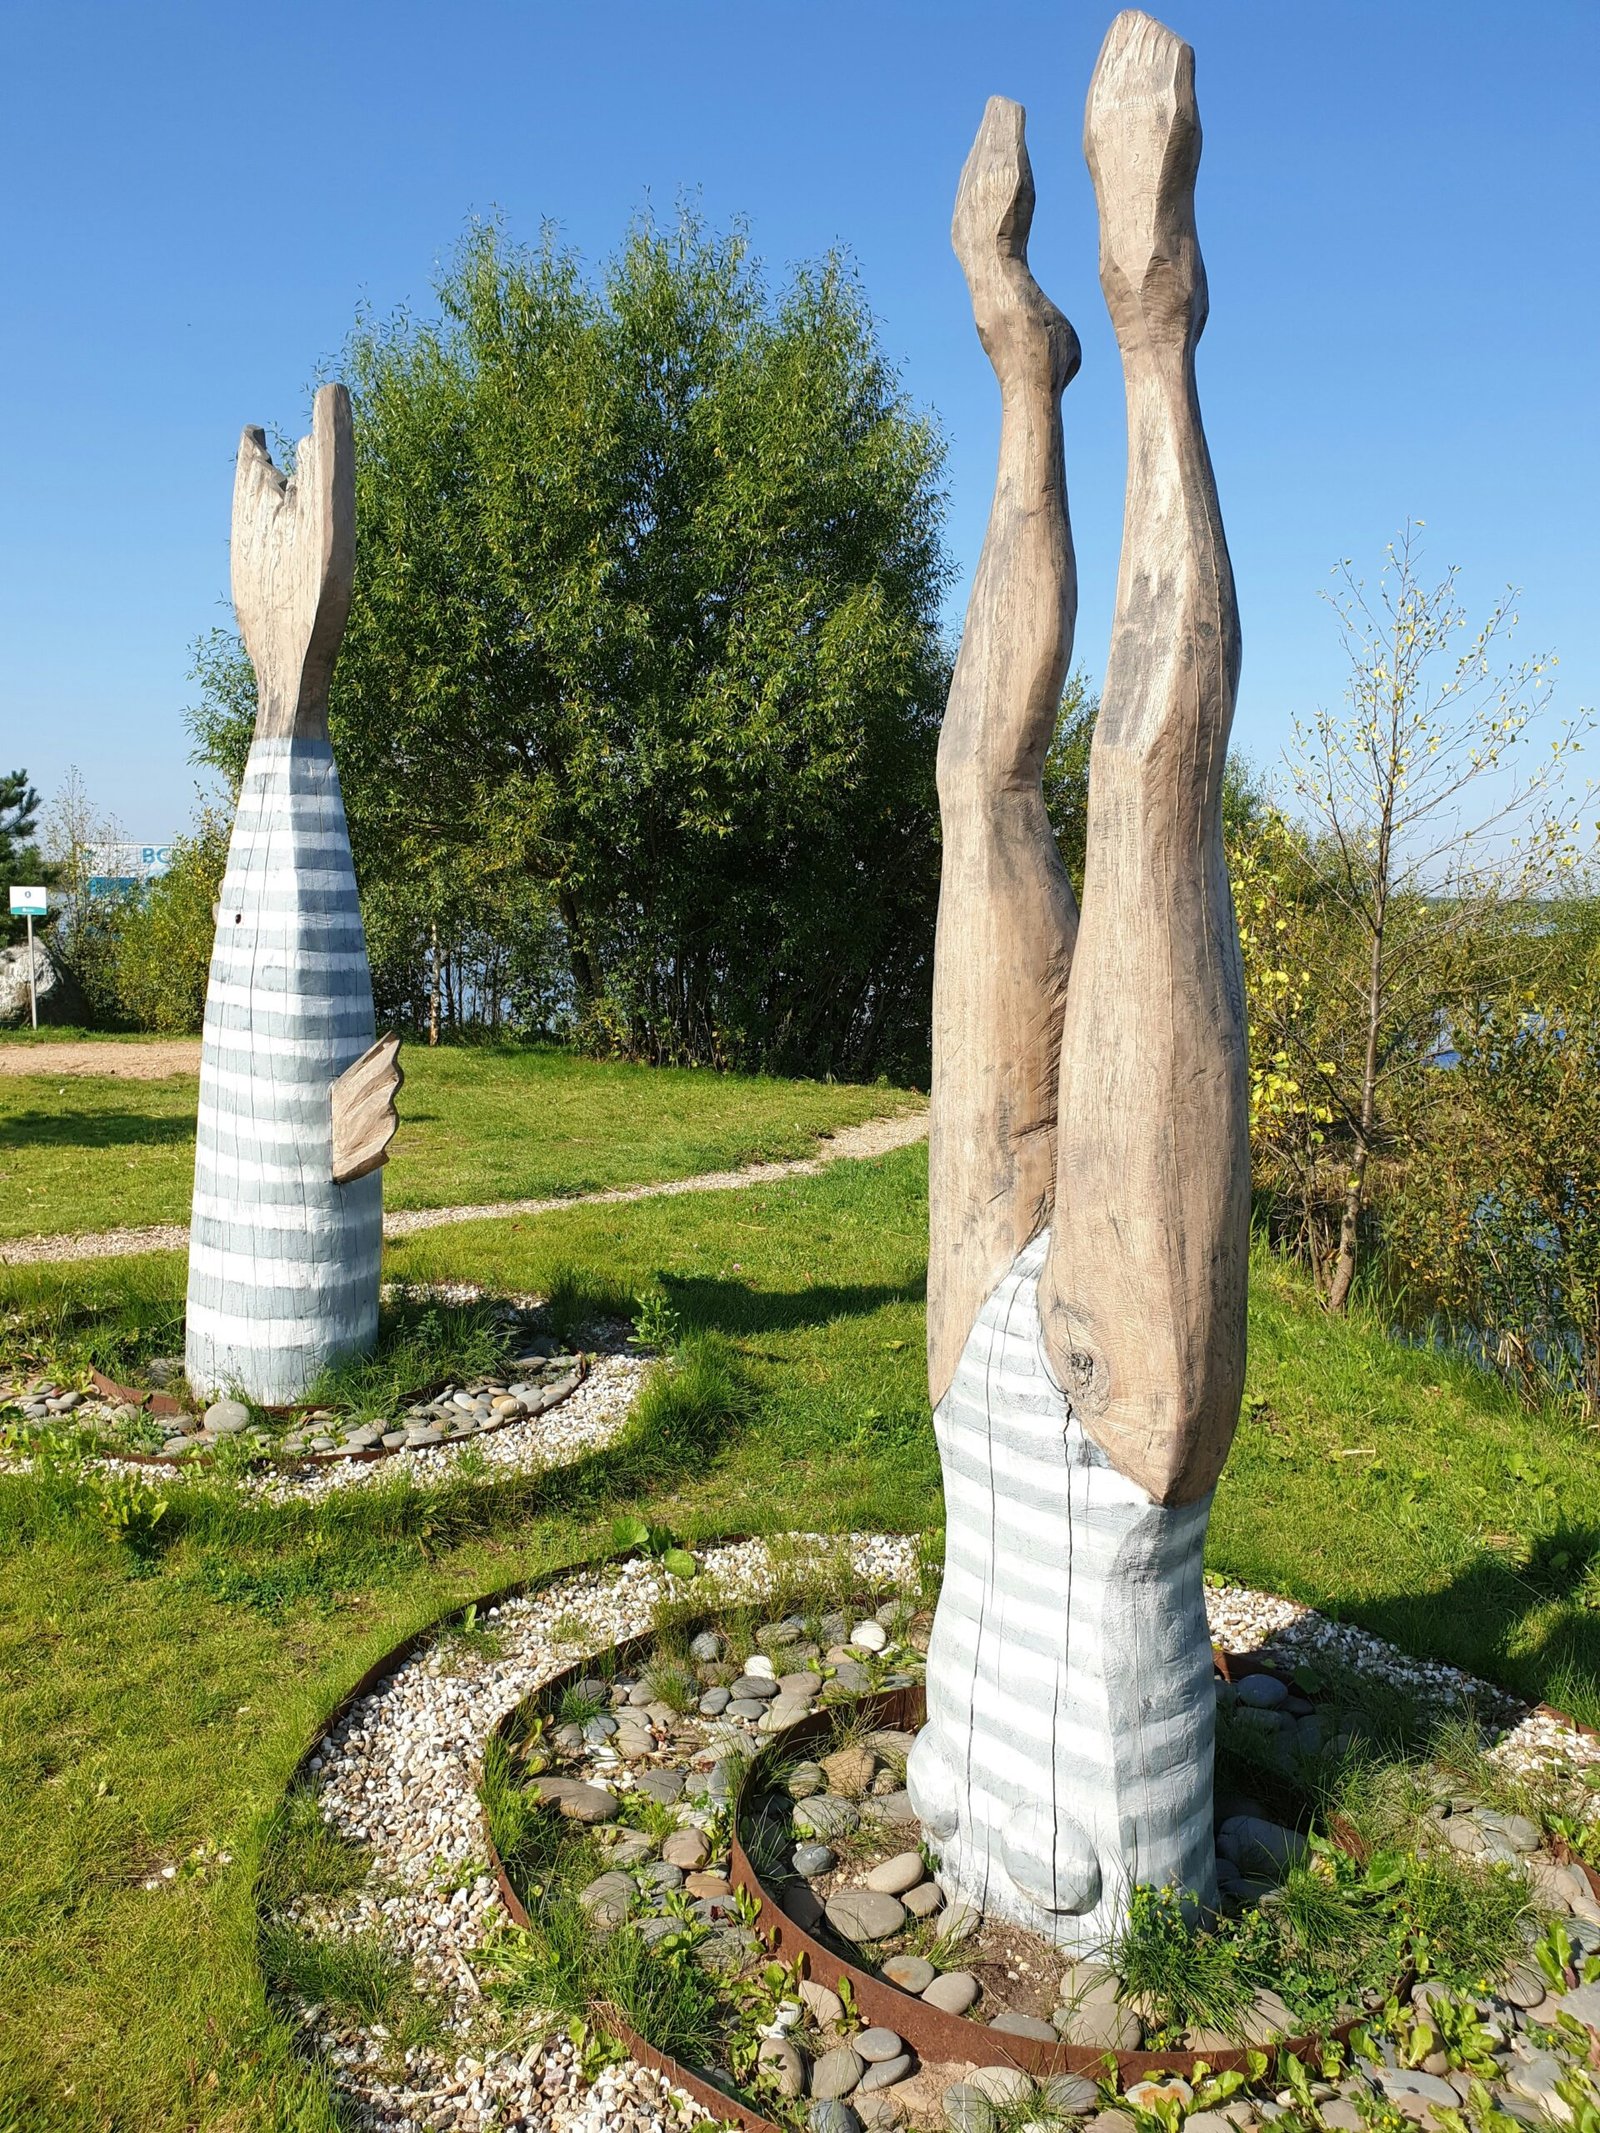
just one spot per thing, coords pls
(872, 1994)
(162, 1403)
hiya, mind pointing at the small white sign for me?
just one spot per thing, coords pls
(29, 903)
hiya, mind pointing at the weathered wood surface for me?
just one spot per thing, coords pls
(294, 562)
(1143, 1292)
(283, 1260)
(1006, 911)
(1086, 1339)
(364, 1117)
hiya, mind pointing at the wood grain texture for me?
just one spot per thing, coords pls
(1006, 911)
(1143, 1292)
(364, 1117)
(294, 559)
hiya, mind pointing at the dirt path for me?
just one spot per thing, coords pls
(851, 1143)
(124, 1062)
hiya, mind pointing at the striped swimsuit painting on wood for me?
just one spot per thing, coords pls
(286, 1238)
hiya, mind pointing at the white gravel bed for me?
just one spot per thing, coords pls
(400, 1773)
(592, 1416)
(1529, 1741)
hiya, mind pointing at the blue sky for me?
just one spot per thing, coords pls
(1398, 209)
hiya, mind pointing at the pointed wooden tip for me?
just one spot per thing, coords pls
(1016, 321)
(995, 198)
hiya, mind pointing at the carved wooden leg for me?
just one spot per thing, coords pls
(1143, 1294)
(1068, 1754)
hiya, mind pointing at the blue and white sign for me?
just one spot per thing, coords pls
(29, 903)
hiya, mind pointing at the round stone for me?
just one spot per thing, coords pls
(784, 2058)
(1001, 2084)
(884, 2073)
(824, 1816)
(225, 1418)
(576, 1801)
(960, 1922)
(665, 1786)
(910, 1973)
(1011, 2024)
(877, 2044)
(687, 1848)
(1103, 2026)
(830, 2115)
(394, 1438)
(714, 1702)
(607, 1899)
(1261, 1692)
(810, 1860)
(898, 1874)
(707, 1647)
(758, 1688)
(922, 1901)
(824, 2005)
(967, 2109)
(865, 1914)
(760, 1667)
(954, 1991)
(869, 1636)
(799, 1688)
(747, 1708)
(836, 2073)
(1071, 2094)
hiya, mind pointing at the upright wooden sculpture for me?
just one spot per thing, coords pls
(1090, 1172)
(296, 1100)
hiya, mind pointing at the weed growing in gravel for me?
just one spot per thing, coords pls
(305, 1855)
(359, 1974)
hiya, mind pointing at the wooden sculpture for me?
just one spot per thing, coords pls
(1089, 1166)
(296, 1101)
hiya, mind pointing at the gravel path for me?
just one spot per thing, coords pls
(121, 1062)
(399, 1773)
(878, 1136)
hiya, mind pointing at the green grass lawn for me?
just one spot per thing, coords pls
(478, 1124)
(150, 1707)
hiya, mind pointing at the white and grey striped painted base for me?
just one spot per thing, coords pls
(283, 1263)
(1071, 1714)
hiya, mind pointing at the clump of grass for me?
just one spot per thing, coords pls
(576, 1301)
(419, 1344)
(306, 1855)
(576, 1706)
(359, 1974)
(1191, 1977)
(671, 1684)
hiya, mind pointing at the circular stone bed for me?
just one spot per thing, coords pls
(546, 1402)
(610, 1793)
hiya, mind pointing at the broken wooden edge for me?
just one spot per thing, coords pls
(162, 1403)
(365, 1120)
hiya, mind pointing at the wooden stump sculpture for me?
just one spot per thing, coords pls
(296, 1100)
(1089, 1164)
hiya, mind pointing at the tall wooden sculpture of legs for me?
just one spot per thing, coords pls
(295, 1099)
(1087, 1267)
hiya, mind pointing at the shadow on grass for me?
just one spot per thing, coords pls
(1529, 1620)
(272, 1558)
(104, 1128)
(733, 1308)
